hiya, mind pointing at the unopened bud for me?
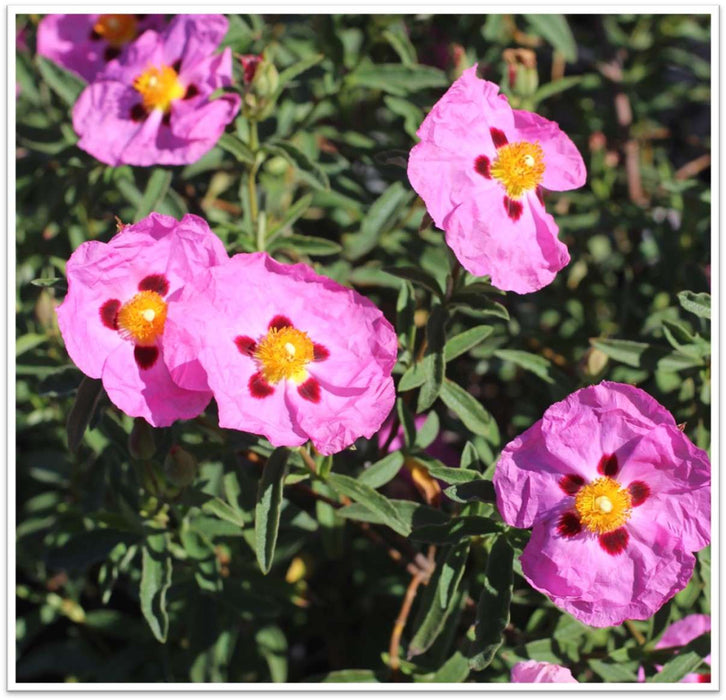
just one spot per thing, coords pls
(249, 66)
(521, 71)
(180, 467)
(141, 440)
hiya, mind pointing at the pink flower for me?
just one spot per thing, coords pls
(618, 499)
(541, 672)
(84, 44)
(679, 634)
(114, 319)
(480, 168)
(289, 354)
(151, 106)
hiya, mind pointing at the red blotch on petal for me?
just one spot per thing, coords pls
(499, 137)
(259, 388)
(608, 465)
(614, 542)
(146, 355)
(513, 208)
(109, 313)
(571, 483)
(482, 165)
(320, 352)
(154, 283)
(569, 524)
(310, 390)
(540, 194)
(110, 53)
(639, 492)
(245, 345)
(137, 113)
(704, 677)
(192, 91)
(280, 322)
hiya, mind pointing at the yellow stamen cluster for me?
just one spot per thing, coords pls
(283, 354)
(603, 505)
(159, 87)
(117, 30)
(519, 167)
(142, 318)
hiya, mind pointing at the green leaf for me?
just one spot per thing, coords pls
(309, 245)
(439, 599)
(154, 194)
(351, 675)
(428, 432)
(685, 662)
(463, 342)
(556, 31)
(451, 475)
(292, 215)
(318, 177)
(526, 360)
(373, 225)
(397, 37)
(699, 304)
(267, 508)
(65, 84)
(297, 68)
(636, 354)
(272, 644)
(396, 78)
(224, 511)
(493, 608)
(612, 672)
(28, 342)
(413, 377)
(407, 422)
(472, 414)
(241, 151)
(418, 276)
(413, 514)
(479, 490)
(89, 394)
(456, 530)
(155, 581)
(556, 87)
(372, 500)
(382, 471)
(57, 282)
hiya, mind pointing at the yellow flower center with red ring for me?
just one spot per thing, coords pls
(117, 30)
(519, 167)
(603, 505)
(284, 354)
(142, 318)
(159, 87)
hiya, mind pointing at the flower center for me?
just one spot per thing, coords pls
(519, 167)
(159, 87)
(603, 505)
(142, 318)
(283, 354)
(117, 30)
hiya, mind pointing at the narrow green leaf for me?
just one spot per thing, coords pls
(413, 514)
(493, 608)
(241, 151)
(479, 490)
(89, 394)
(463, 342)
(556, 30)
(413, 377)
(65, 84)
(154, 194)
(439, 599)
(224, 511)
(526, 360)
(428, 432)
(397, 37)
(434, 367)
(418, 276)
(612, 672)
(28, 342)
(685, 662)
(297, 68)
(382, 471)
(635, 354)
(292, 215)
(556, 87)
(318, 177)
(451, 475)
(372, 500)
(455, 530)
(267, 508)
(407, 422)
(472, 414)
(309, 245)
(155, 581)
(699, 304)
(396, 78)
(272, 644)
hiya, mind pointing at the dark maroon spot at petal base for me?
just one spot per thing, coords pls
(259, 388)
(192, 91)
(110, 53)
(482, 165)
(109, 313)
(280, 322)
(166, 119)
(320, 352)
(137, 113)
(94, 35)
(310, 390)
(571, 483)
(614, 542)
(154, 283)
(608, 465)
(499, 137)
(569, 524)
(704, 677)
(146, 355)
(639, 492)
(245, 345)
(540, 194)
(513, 208)
(176, 66)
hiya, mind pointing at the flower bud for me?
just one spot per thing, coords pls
(141, 440)
(521, 71)
(249, 63)
(180, 467)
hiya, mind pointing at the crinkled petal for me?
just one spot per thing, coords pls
(192, 38)
(541, 672)
(520, 256)
(564, 167)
